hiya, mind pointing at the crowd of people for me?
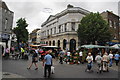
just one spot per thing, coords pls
(101, 57)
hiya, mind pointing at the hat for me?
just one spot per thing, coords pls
(89, 53)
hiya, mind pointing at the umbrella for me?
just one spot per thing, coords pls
(116, 46)
(92, 46)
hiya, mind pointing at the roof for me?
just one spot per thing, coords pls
(68, 10)
(4, 6)
(50, 17)
(35, 30)
(109, 12)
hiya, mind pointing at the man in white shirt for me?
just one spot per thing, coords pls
(98, 59)
(110, 57)
(90, 60)
(68, 56)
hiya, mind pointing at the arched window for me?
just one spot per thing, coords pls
(72, 44)
(64, 44)
(49, 43)
(53, 43)
(58, 43)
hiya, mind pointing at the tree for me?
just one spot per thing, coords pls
(94, 28)
(21, 31)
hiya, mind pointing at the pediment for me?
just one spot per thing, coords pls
(50, 17)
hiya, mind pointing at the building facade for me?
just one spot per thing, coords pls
(6, 22)
(38, 37)
(113, 21)
(119, 8)
(33, 36)
(61, 29)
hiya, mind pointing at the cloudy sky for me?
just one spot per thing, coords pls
(37, 11)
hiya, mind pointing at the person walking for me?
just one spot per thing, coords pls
(105, 61)
(116, 57)
(61, 54)
(56, 54)
(47, 63)
(68, 56)
(34, 60)
(22, 52)
(80, 56)
(89, 59)
(98, 59)
(110, 57)
(7, 53)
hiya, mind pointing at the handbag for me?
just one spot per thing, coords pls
(52, 69)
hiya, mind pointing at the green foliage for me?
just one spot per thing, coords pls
(93, 28)
(21, 31)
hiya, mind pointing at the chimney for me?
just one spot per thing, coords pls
(70, 6)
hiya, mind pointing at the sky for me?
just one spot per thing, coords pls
(37, 11)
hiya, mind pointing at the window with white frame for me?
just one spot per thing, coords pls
(6, 22)
(47, 32)
(59, 28)
(65, 27)
(73, 26)
(54, 30)
(110, 23)
(115, 25)
(51, 31)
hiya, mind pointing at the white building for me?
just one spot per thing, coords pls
(38, 36)
(61, 29)
(6, 22)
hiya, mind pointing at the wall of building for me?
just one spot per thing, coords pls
(113, 21)
(6, 22)
(0, 22)
(63, 19)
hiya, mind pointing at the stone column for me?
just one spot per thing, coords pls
(69, 26)
(68, 43)
(63, 27)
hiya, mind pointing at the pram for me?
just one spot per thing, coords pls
(99, 67)
(105, 66)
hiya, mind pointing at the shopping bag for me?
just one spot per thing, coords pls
(52, 69)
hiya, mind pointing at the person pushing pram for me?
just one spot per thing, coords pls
(105, 61)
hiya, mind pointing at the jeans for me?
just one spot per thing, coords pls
(89, 66)
(110, 62)
(47, 68)
(61, 60)
(117, 61)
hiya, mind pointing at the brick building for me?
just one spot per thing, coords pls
(113, 21)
